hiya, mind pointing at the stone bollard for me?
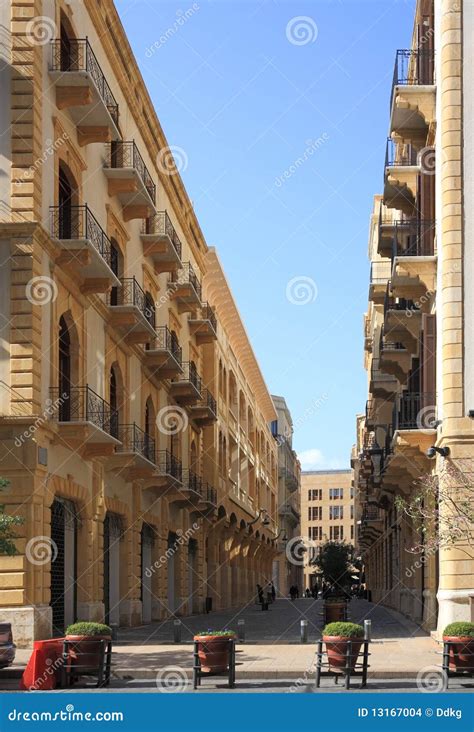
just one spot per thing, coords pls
(304, 631)
(367, 630)
(241, 630)
(177, 631)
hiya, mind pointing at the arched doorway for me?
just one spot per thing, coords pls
(116, 267)
(149, 446)
(69, 223)
(63, 564)
(115, 399)
(68, 367)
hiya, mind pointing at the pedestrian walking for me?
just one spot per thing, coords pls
(273, 591)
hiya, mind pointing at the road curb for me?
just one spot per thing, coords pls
(152, 673)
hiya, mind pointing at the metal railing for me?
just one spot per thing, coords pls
(131, 293)
(207, 313)
(380, 272)
(399, 154)
(413, 67)
(386, 345)
(192, 482)
(78, 222)
(371, 513)
(82, 404)
(190, 374)
(169, 464)
(136, 440)
(160, 224)
(77, 55)
(377, 374)
(413, 238)
(413, 411)
(125, 154)
(207, 400)
(165, 340)
(210, 494)
(393, 303)
(186, 275)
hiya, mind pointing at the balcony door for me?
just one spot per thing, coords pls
(65, 193)
(63, 564)
(64, 371)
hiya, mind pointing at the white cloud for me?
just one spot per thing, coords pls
(314, 459)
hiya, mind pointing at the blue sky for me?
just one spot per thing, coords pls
(282, 124)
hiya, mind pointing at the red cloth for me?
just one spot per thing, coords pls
(44, 666)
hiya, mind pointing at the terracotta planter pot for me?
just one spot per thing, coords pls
(334, 611)
(461, 653)
(336, 648)
(85, 651)
(213, 651)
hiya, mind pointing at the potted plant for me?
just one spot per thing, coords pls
(85, 648)
(213, 650)
(336, 637)
(460, 636)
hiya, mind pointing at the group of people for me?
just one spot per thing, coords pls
(266, 594)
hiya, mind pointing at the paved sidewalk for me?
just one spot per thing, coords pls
(272, 648)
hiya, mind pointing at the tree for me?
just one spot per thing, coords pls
(334, 562)
(442, 508)
(7, 522)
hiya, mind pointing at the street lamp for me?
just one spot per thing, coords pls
(265, 521)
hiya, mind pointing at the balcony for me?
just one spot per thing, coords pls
(381, 384)
(401, 176)
(161, 243)
(289, 478)
(414, 262)
(129, 180)
(163, 354)
(379, 275)
(134, 458)
(189, 494)
(289, 512)
(185, 289)
(402, 321)
(167, 476)
(203, 326)
(386, 222)
(394, 358)
(204, 411)
(85, 421)
(82, 88)
(371, 523)
(85, 247)
(413, 98)
(186, 388)
(131, 313)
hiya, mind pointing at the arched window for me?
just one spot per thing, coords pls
(149, 446)
(116, 265)
(68, 367)
(69, 223)
(116, 399)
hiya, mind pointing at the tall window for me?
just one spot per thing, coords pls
(336, 512)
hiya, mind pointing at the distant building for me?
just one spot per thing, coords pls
(327, 513)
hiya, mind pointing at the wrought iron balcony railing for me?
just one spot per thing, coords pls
(413, 238)
(134, 439)
(83, 404)
(78, 222)
(186, 275)
(131, 293)
(167, 341)
(207, 313)
(210, 494)
(168, 464)
(192, 482)
(125, 154)
(207, 400)
(399, 303)
(399, 154)
(160, 224)
(413, 67)
(190, 374)
(413, 411)
(77, 55)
